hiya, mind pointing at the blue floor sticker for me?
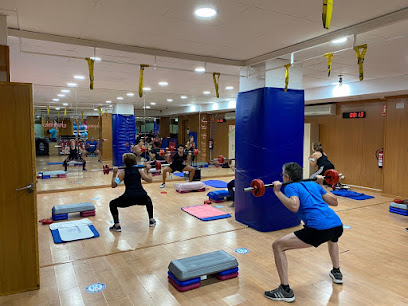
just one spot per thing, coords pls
(346, 226)
(242, 251)
(94, 288)
(95, 199)
(219, 206)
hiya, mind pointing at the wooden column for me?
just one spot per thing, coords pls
(4, 64)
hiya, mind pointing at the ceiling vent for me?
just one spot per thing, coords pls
(320, 110)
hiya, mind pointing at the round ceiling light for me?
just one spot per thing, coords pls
(205, 12)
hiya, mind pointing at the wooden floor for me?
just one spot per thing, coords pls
(133, 264)
(78, 179)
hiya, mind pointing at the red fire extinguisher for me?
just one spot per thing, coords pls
(380, 157)
(211, 143)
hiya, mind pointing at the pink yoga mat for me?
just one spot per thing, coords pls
(205, 212)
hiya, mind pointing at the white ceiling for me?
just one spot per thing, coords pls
(242, 30)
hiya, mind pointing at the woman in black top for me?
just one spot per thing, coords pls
(74, 154)
(319, 159)
(178, 164)
(134, 192)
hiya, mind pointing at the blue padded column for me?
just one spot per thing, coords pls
(269, 133)
(123, 131)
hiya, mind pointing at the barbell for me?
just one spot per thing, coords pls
(163, 152)
(106, 169)
(258, 187)
(221, 159)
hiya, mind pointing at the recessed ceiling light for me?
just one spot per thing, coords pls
(65, 90)
(55, 100)
(95, 109)
(65, 104)
(57, 108)
(96, 59)
(183, 97)
(206, 92)
(61, 95)
(169, 100)
(229, 88)
(199, 69)
(147, 89)
(130, 94)
(163, 83)
(108, 101)
(205, 12)
(72, 84)
(119, 98)
(339, 41)
(79, 77)
(146, 106)
(153, 103)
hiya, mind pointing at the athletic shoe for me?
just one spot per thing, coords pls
(115, 229)
(232, 205)
(99, 161)
(84, 170)
(279, 294)
(152, 223)
(162, 185)
(337, 277)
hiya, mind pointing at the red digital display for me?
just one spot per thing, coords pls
(221, 120)
(353, 115)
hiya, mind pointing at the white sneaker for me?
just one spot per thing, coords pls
(162, 185)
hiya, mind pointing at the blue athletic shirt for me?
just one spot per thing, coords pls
(313, 210)
(92, 145)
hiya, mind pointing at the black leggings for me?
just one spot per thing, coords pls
(70, 158)
(230, 187)
(127, 200)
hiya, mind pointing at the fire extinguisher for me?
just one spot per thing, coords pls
(380, 157)
(211, 143)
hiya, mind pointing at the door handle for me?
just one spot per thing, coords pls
(29, 188)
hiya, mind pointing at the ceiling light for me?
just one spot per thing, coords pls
(147, 89)
(199, 69)
(119, 98)
(108, 101)
(79, 77)
(169, 100)
(57, 108)
(95, 109)
(205, 12)
(183, 97)
(339, 41)
(153, 103)
(146, 106)
(65, 104)
(72, 84)
(206, 92)
(65, 90)
(96, 59)
(229, 88)
(163, 83)
(61, 95)
(130, 94)
(55, 100)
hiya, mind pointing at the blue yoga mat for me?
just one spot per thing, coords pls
(215, 183)
(179, 174)
(352, 195)
(57, 238)
(54, 163)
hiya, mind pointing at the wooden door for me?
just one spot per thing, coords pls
(19, 264)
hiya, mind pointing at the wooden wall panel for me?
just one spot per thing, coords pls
(93, 126)
(4, 64)
(106, 146)
(188, 121)
(396, 147)
(164, 130)
(351, 143)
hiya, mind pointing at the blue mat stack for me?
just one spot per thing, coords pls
(400, 208)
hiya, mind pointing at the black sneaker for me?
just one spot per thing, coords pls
(162, 185)
(115, 229)
(337, 277)
(152, 223)
(279, 294)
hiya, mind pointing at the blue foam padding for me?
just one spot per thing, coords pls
(44, 177)
(57, 238)
(123, 131)
(180, 174)
(216, 183)
(215, 218)
(226, 272)
(184, 283)
(218, 195)
(399, 211)
(270, 122)
(55, 164)
(351, 194)
(59, 217)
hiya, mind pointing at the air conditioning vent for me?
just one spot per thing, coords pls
(230, 116)
(320, 110)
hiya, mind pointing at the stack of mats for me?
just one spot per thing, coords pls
(73, 230)
(187, 273)
(49, 174)
(60, 212)
(399, 207)
(191, 186)
(218, 196)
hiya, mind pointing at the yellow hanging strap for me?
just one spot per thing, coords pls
(142, 67)
(360, 59)
(216, 82)
(91, 63)
(287, 76)
(48, 110)
(327, 13)
(329, 57)
(82, 115)
(65, 112)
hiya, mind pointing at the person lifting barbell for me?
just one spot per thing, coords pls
(106, 169)
(310, 202)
